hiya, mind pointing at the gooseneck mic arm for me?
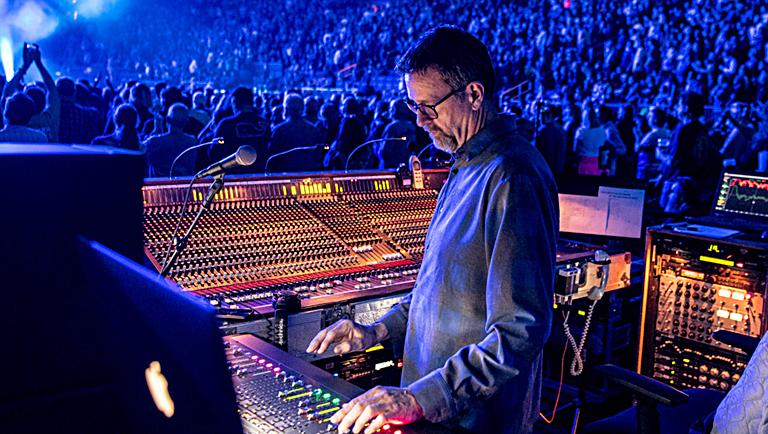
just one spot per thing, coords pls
(218, 140)
(364, 144)
(302, 148)
(424, 149)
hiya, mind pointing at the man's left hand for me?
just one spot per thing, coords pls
(379, 405)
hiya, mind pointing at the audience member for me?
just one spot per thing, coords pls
(691, 152)
(18, 110)
(162, 149)
(393, 152)
(125, 135)
(613, 147)
(648, 167)
(551, 140)
(589, 138)
(199, 110)
(244, 127)
(328, 122)
(352, 133)
(77, 125)
(47, 116)
(295, 132)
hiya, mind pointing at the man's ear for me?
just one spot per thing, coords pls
(476, 94)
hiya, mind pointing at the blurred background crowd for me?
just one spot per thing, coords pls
(665, 92)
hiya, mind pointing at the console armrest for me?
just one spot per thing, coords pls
(642, 386)
(748, 344)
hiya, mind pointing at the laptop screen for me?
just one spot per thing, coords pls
(742, 193)
(163, 348)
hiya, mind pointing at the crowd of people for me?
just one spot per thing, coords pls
(163, 121)
(664, 91)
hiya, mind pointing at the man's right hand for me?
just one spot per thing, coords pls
(349, 335)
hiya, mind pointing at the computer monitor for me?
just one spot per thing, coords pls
(742, 194)
(163, 347)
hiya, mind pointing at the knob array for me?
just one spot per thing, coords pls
(689, 312)
(256, 240)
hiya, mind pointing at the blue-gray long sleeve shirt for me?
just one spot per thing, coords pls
(473, 328)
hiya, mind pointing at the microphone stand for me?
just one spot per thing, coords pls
(346, 166)
(180, 243)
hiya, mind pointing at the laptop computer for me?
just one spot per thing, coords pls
(741, 202)
(163, 347)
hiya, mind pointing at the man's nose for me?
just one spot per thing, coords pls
(421, 119)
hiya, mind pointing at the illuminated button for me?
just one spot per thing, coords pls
(262, 361)
(723, 313)
(724, 293)
(254, 358)
(326, 396)
(269, 365)
(737, 316)
(738, 296)
(276, 370)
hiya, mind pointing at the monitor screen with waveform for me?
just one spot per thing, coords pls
(743, 194)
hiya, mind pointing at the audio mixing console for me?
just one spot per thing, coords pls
(280, 394)
(327, 237)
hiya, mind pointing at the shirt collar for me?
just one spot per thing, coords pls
(502, 126)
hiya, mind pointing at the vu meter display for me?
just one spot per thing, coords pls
(743, 194)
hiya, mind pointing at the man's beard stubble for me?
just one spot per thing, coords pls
(444, 142)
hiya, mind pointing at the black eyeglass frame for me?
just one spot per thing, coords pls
(416, 108)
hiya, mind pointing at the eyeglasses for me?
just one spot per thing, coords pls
(430, 111)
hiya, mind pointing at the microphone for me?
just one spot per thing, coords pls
(318, 147)
(218, 140)
(244, 156)
(346, 166)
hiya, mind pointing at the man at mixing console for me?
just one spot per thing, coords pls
(472, 330)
